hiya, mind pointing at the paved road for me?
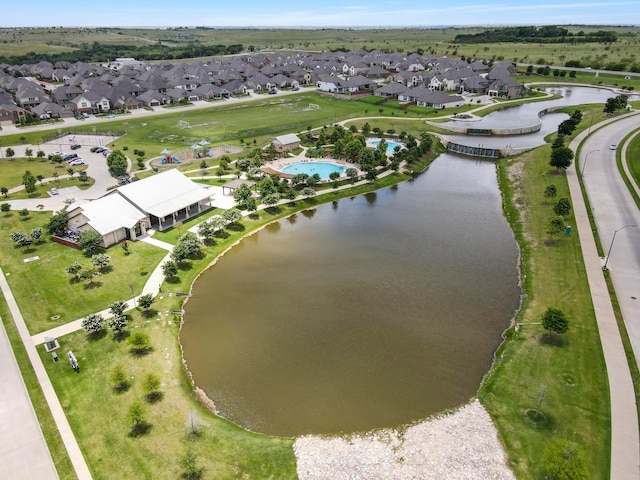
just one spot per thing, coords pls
(607, 196)
(23, 451)
(613, 208)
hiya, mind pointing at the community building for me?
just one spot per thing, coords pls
(130, 211)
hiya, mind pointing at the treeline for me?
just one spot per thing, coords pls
(544, 34)
(99, 52)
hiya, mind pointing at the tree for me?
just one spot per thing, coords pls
(242, 194)
(21, 239)
(232, 215)
(271, 199)
(28, 152)
(73, 269)
(371, 175)
(4, 191)
(118, 307)
(117, 323)
(136, 414)
(352, 173)
(190, 468)
(562, 207)
(554, 320)
(550, 191)
(151, 386)
(57, 224)
(10, 152)
(5, 207)
(100, 261)
(90, 241)
(561, 158)
(24, 212)
(140, 343)
(191, 242)
(145, 301)
(308, 192)
(554, 227)
(93, 323)
(36, 234)
(170, 269)
(119, 379)
(117, 163)
(180, 253)
(29, 182)
(71, 171)
(565, 460)
(40, 178)
(83, 176)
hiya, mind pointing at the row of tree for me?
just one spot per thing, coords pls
(543, 34)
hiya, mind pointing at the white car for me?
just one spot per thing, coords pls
(76, 162)
(613, 146)
(53, 191)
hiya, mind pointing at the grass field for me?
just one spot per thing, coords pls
(434, 41)
(571, 368)
(633, 159)
(42, 288)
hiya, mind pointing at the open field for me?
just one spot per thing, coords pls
(435, 41)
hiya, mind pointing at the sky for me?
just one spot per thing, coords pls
(327, 13)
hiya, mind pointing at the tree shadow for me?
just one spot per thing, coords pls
(121, 336)
(95, 336)
(141, 351)
(553, 340)
(92, 285)
(273, 210)
(254, 216)
(122, 388)
(209, 242)
(140, 429)
(175, 279)
(221, 234)
(149, 312)
(154, 397)
(236, 227)
(107, 269)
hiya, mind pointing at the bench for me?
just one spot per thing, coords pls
(55, 356)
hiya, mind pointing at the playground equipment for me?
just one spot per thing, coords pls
(170, 159)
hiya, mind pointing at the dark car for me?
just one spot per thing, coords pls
(75, 146)
(94, 149)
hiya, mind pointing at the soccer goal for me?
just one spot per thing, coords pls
(314, 106)
(183, 124)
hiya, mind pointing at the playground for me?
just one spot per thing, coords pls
(197, 151)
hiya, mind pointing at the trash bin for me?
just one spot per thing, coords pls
(567, 231)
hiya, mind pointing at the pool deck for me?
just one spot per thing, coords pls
(275, 167)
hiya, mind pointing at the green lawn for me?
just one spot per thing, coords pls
(13, 169)
(99, 418)
(44, 290)
(633, 159)
(570, 367)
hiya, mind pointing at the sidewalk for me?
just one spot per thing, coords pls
(23, 449)
(625, 439)
(69, 440)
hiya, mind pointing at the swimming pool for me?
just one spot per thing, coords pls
(324, 169)
(391, 145)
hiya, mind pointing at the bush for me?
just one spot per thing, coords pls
(140, 343)
(119, 379)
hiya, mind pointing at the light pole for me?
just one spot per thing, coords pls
(611, 246)
(584, 164)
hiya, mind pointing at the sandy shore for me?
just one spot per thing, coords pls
(462, 445)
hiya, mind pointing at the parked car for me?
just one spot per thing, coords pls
(53, 191)
(85, 115)
(56, 153)
(69, 156)
(111, 115)
(97, 149)
(76, 162)
(75, 146)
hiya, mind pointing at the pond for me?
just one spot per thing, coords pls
(371, 312)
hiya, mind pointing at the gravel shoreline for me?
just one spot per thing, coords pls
(458, 446)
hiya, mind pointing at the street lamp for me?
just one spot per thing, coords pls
(611, 246)
(584, 164)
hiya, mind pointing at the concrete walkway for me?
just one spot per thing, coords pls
(69, 440)
(625, 439)
(23, 449)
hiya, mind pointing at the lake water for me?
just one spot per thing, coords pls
(371, 312)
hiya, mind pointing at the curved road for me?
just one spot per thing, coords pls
(611, 204)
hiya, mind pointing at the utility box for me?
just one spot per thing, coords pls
(567, 231)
